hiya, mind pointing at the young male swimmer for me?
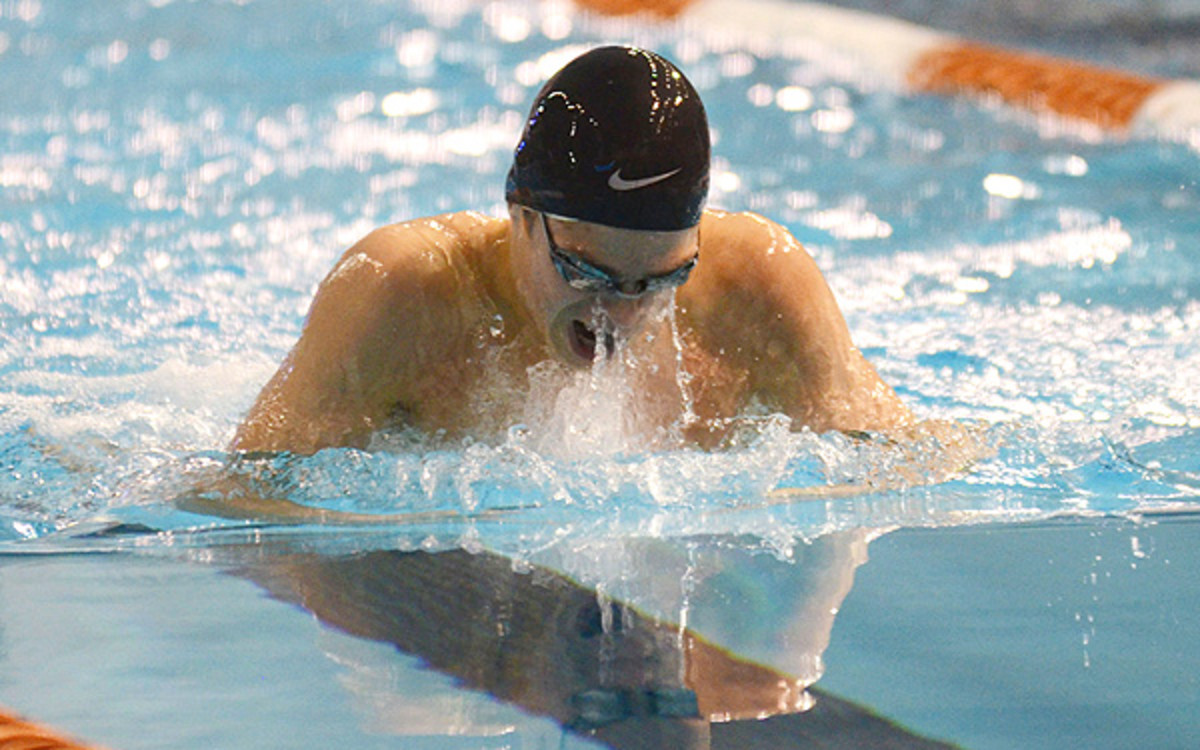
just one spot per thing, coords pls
(435, 324)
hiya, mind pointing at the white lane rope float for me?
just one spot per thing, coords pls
(924, 60)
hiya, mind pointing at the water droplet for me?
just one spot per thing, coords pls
(1136, 546)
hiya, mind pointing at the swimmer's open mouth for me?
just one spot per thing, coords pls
(583, 341)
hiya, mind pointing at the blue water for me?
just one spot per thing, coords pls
(176, 178)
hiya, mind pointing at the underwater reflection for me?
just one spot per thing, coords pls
(589, 641)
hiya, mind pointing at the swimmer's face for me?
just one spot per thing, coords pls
(589, 285)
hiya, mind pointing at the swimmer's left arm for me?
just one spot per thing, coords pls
(814, 371)
(771, 305)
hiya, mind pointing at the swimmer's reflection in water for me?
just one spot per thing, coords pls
(598, 665)
(606, 215)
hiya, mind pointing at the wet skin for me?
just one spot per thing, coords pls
(433, 324)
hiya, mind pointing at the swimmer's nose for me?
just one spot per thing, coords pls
(625, 312)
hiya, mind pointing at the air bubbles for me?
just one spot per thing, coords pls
(971, 284)
(760, 95)
(556, 25)
(726, 181)
(26, 10)
(160, 49)
(786, 98)
(496, 327)
(833, 121)
(356, 106)
(417, 48)
(850, 221)
(108, 56)
(1159, 411)
(532, 73)
(922, 140)
(794, 99)
(737, 64)
(116, 52)
(76, 77)
(420, 101)
(1070, 165)
(509, 23)
(25, 173)
(1010, 187)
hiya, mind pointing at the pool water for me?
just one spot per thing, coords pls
(176, 178)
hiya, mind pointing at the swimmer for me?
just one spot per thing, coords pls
(434, 324)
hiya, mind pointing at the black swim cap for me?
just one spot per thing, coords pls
(617, 137)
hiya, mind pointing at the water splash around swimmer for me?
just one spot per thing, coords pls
(598, 411)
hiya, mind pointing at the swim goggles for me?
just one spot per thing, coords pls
(585, 277)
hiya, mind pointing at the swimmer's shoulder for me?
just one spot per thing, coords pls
(426, 260)
(432, 244)
(747, 249)
(402, 282)
(755, 278)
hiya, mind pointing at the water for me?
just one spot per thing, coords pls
(175, 179)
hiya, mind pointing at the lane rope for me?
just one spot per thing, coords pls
(18, 734)
(923, 60)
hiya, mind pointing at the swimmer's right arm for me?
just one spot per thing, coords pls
(373, 328)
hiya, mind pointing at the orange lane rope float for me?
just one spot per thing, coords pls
(921, 59)
(17, 734)
(663, 8)
(1109, 98)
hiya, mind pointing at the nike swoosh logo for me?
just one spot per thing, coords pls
(616, 182)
